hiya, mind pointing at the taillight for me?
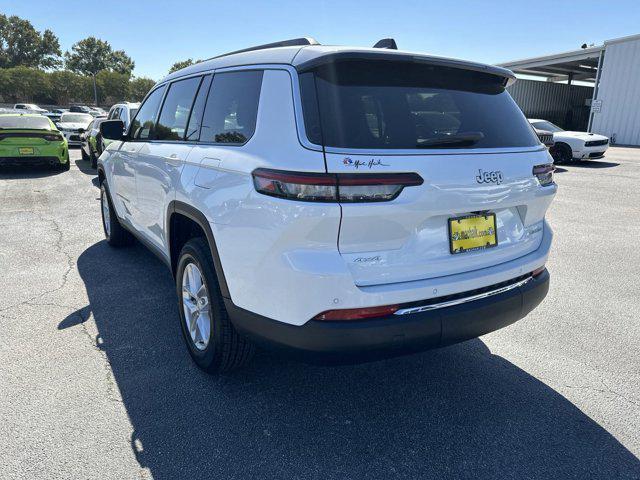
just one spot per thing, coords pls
(544, 174)
(357, 313)
(330, 187)
(53, 138)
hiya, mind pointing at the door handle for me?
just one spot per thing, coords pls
(173, 160)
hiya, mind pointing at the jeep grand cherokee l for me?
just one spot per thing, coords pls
(337, 203)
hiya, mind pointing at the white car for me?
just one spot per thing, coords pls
(31, 107)
(570, 146)
(335, 203)
(72, 125)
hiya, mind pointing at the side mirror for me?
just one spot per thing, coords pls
(112, 129)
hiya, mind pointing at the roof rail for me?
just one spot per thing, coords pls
(388, 43)
(303, 41)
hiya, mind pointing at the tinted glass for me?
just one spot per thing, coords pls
(398, 105)
(310, 108)
(195, 120)
(76, 118)
(232, 107)
(142, 127)
(175, 111)
(548, 126)
(19, 121)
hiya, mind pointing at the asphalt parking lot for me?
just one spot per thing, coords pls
(95, 381)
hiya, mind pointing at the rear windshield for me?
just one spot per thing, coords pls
(18, 121)
(400, 105)
(76, 118)
(548, 126)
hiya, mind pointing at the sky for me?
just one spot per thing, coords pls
(158, 33)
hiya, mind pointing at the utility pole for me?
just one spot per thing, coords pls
(95, 91)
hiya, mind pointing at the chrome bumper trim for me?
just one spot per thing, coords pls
(459, 301)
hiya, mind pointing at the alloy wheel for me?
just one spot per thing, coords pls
(196, 307)
(106, 217)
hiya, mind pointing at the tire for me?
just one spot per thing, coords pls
(561, 153)
(94, 159)
(64, 167)
(225, 349)
(114, 232)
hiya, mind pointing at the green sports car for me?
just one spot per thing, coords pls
(31, 139)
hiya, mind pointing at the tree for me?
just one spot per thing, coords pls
(92, 55)
(122, 62)
(113, 87)
(66, 86)
(22, 45)
(139, 87)
(183, 64)
(24, 84)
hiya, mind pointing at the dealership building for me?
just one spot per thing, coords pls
(606, 100)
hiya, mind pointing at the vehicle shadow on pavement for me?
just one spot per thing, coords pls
(458, 412)
(593, 164)
(85, 167)
(28, 171)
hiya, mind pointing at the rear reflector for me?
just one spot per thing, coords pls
(357, 313)
(538, 271)
(329, 187)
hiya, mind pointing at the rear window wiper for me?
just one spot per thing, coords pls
(459, 139)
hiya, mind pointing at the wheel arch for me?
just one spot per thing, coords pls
(101, 176)
(561, 145)
(183, 222)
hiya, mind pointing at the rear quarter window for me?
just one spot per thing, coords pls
(401, 105)
(232, 107)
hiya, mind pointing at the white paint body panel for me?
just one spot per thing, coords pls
(281, 258)
(407, 239)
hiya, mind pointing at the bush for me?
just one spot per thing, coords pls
(63, 87)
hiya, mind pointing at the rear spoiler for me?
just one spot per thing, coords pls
(392, 56)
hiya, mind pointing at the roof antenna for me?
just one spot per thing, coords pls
(388, 43)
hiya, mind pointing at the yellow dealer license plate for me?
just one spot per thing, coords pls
(26, 151)
(473, 232)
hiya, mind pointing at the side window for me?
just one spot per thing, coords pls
(112, 114)
(232, 107)
(195, 120)
(176, 108)
(142, 127)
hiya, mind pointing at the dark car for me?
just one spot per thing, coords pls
(92, 142)
(79, 109)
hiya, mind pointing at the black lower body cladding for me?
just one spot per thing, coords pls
(363, 340)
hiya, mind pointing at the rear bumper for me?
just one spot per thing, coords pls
(30, 160)
(352, 341)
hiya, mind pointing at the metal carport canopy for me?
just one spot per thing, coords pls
(567, 66)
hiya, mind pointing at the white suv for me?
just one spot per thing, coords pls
(123, 111)
(337, 203)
